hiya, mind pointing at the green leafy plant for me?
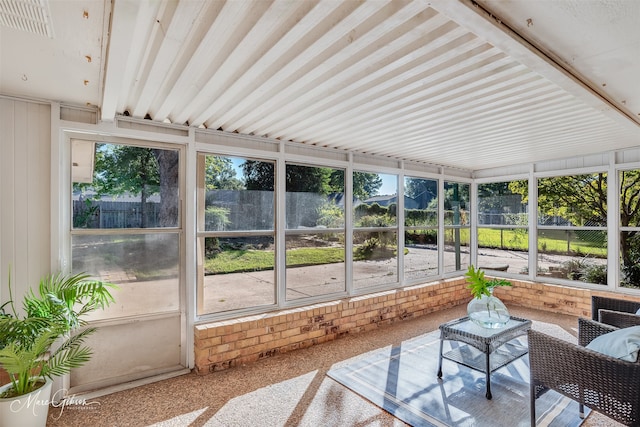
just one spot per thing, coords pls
(479, 285)
(52, 316)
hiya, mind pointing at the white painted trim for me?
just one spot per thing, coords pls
(348, 223)
(280, 227)
(129, 385)
(190, 240)
(400, 224)
(441, 230)
(533, 223)
(473, 234)
(613, 223)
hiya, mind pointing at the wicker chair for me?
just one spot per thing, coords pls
(604, 384)
(616, 312)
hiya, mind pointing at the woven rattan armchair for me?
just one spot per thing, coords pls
(616, 312)
(604, 384)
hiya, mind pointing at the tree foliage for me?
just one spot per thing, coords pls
(220, 174)
(308, 179)
(122, 169)
(260, 176)
(579, 199)
(125, 169)
(366, 184)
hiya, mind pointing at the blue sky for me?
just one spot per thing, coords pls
(389, 184)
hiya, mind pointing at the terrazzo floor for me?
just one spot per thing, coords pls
(285, 390)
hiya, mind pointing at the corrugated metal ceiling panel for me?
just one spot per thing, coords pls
(391, 78)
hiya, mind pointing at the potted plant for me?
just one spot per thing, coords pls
(485, 309)
(46, 341)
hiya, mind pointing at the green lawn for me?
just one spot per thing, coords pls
(233, 261)
(552, 242)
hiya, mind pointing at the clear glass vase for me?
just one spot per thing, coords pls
(488, 312)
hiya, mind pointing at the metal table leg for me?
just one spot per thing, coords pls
(488, 371)
(440, 359)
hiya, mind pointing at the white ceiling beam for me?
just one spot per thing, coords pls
(130, 23)
(469, 14)
(405, 88)
(211, 53)
(333, 29)
(372, 42)
(174, 30)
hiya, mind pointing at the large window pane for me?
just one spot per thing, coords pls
(504, 249)
(457, 226)
(421, 228)
(145, 268)
(315, 261)
(376, 199)
(630, 223)
(375, 254)
(630, 259)
(572, 233)
(579, 255)
(238, 273)
(503, 237)
(315, 265)
(236, 243)
(502, 203)
(573, 201)
(315, 197)
(456, 249)
(122, 186)
(238, 194)
(375, 258)
(456, 203)
(421, 254)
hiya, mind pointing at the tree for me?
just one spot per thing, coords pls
(580, 199)
(168, 177)
(630, 216)
(220, 174)
(308, 179)
(259, 175)
(366, 184)
(125, 169)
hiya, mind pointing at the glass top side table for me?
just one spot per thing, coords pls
(495, 348)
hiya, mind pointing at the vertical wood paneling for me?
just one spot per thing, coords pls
(21, 200)
(39, 190)
(6, 192)
(25, 139)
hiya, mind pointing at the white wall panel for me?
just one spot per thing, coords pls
(25, 139)
(628, 156)
(129, 351)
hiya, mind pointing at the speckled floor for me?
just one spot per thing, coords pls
(285, 390)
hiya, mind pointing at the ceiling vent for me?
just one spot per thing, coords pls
(32, 16)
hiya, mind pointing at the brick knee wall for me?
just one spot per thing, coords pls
(220, 345)
(541, 296)
(224, 344)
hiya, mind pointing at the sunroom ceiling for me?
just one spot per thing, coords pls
(440, 81)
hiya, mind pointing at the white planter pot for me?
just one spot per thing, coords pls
(29, 410)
